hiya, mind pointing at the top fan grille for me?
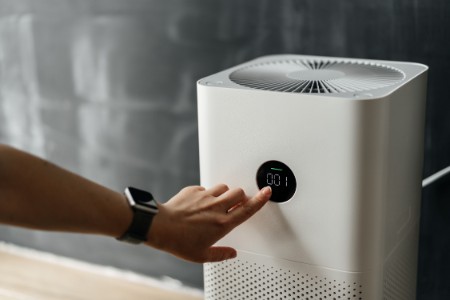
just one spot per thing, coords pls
(317, 76)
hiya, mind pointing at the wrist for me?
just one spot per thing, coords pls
(120, 217)
(154, 234)
(144, 208)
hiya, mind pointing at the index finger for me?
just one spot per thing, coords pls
(250, 207)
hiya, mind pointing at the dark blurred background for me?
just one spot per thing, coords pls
(107, 89)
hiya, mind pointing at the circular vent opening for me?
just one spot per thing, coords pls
(317, 76)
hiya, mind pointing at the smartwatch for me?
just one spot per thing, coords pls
(144, 208)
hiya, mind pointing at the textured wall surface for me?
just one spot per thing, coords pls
(106, 88)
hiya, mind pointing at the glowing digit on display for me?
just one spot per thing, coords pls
(269, 178)
(276, 180)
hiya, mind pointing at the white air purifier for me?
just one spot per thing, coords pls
(340, 141)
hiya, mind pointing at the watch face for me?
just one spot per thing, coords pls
(142, 199)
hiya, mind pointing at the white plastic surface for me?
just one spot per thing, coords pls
(357, 160)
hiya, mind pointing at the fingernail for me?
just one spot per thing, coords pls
(266, 191)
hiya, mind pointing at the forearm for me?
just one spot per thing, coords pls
(40, 195)
(37, 194)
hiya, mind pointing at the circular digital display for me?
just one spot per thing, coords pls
(279, 177)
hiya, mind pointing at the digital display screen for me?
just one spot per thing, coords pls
(279, 177)
(143, 197)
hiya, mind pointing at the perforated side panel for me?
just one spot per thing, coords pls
(238, 279)
(401, 271)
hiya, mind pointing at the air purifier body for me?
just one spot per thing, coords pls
(340, 141)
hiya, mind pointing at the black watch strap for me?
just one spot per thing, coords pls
(138, 230)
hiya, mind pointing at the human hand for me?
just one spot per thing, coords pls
(194, 219)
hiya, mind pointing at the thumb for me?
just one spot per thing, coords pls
(215, 254)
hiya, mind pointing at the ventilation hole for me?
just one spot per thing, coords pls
(317, 76)
(277, 283)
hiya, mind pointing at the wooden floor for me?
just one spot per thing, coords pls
(25, 277)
